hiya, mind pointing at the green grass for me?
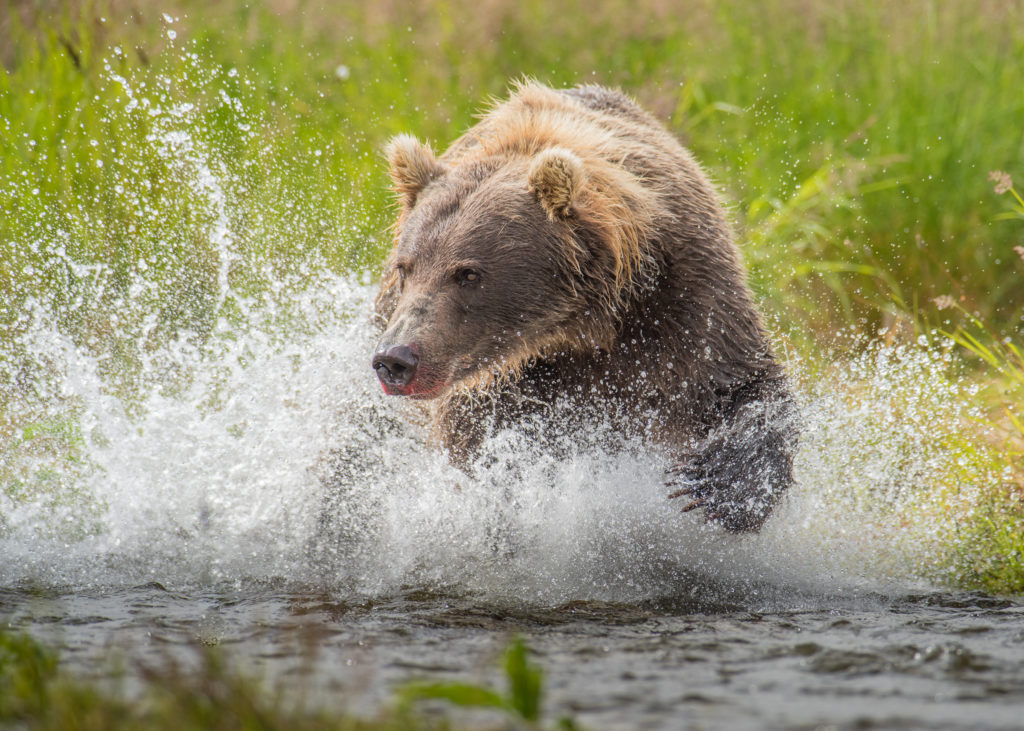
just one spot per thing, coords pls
(854, 140)
(36, 693)
(853, 143)
(521, 701)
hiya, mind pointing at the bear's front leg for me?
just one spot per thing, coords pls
(739, 472)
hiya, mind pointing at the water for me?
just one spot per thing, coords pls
(920, 660)
(166, 428)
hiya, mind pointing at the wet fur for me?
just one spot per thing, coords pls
(648, 311)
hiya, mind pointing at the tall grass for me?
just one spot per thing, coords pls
(853, 139)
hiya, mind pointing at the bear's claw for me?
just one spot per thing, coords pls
(692, 505)
(729, 498)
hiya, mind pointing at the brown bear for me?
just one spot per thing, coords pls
(568, 248)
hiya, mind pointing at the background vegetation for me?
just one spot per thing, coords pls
(854, 140)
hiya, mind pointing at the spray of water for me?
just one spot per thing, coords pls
(200, 414)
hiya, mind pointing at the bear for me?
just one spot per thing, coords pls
(568, 248)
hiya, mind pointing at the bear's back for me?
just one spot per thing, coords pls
(590, 120)
(609, 101)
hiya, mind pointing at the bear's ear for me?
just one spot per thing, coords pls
(413, 166)
(555, 177)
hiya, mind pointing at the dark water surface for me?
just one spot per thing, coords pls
(928, 660)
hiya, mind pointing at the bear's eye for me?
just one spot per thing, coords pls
(467, 277)
(400, 271)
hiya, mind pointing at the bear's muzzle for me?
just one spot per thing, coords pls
(396, 367)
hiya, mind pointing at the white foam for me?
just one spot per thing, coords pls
(218, 482)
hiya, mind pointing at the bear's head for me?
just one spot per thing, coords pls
(499, 259)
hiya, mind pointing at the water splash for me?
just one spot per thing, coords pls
(170, 418)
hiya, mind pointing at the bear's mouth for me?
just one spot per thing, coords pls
(426, 392)
(419, 388)
(427, 385)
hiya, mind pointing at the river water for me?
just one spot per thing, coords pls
(161, 489)
(913, 660)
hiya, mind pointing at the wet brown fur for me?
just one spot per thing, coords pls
(647, 309)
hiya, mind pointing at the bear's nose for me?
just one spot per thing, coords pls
(395, 366)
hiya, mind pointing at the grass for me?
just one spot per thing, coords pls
(853, 142)
(854, 139)
(522, 700)
(36, 693)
